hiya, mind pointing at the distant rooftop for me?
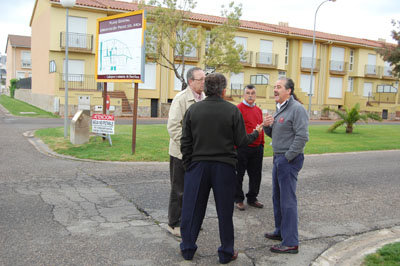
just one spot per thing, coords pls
(19, 41)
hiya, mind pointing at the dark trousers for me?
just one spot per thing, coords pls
(175, 198)
(200, 177)
(250, 159)
(284, 181)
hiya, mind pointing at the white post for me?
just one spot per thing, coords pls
(66, 81)
(310, 94)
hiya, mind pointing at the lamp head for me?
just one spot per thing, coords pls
(70, 3)
(332, 0)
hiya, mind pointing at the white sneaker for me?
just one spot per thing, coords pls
(176, 231)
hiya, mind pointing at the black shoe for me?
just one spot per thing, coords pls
(284, 249)
(256, 204)
(234, 257)
(273, 236)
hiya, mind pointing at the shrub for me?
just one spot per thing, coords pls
(13, 87)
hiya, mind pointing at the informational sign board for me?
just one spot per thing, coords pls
(103, 124)
(120, 48)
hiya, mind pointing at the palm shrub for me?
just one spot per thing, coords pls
(350, 117)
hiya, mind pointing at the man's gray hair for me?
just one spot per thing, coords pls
(189, 75)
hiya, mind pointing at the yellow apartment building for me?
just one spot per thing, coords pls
(346, 70)
(18, 64)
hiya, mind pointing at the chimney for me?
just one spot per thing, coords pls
(381, 40)
(283, 24)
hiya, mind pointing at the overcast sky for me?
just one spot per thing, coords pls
(370, 19)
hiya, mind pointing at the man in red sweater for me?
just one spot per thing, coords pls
(250, 157)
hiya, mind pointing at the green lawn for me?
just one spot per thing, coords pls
(152, 142)
(15, 107)
(387, 255)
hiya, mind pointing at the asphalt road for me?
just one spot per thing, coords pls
(58, 211)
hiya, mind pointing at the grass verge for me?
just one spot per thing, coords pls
(15, 107)
(387, 255)
(152, 142)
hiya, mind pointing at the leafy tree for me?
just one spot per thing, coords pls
(169, 32)
(222, 52)
(390, 52)
(350, 117)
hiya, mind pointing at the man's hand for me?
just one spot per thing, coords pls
(268, 120)
(259, 128)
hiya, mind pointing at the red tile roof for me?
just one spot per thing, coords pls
(19, 41)
(244, 24)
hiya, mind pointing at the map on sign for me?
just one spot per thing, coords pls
(103, 124)
(120, 47)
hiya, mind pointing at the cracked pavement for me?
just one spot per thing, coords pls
(57, 211)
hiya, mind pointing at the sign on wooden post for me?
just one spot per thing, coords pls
(120, 53)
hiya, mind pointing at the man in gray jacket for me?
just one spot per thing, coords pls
(288, 129)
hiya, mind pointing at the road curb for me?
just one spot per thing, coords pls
(353, 250)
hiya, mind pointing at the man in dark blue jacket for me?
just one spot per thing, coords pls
(211, 130)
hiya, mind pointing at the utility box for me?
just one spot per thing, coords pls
(80, 127)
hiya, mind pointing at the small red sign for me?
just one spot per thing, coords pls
(281, 120)
(108, 102)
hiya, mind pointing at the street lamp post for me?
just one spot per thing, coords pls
(310, 94)
(67, 4)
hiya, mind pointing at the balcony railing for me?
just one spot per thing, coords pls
(26, 63)
(306, 64)
(79, 82)
(77, 41)
(372, 71)
(387, 73)
(338, 67)
(267, 60)
(190, 56)
(236, 90)
(247, 60)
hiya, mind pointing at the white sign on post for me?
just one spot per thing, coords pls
(103, 124)
(120, 48)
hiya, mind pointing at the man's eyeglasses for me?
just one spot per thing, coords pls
(202, 79)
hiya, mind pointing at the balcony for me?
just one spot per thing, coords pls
(372, 71)
(387, 73)
(26, 63)
(306, 64)
(266, 60)
(79, 82)
(338, 67)
(189, 56)
(246, 60)
(78, 42)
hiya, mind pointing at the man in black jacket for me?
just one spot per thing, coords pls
(211, 130)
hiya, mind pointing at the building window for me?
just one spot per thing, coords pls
(259, 79)
(150, 77)
(77, 32)
(76, 70)
(337, 59)
(237, 81)
(188, 51)
(52, 66)
(243, 42)
(386, 88)
(177, 82)
(367, 89)
(306, 54)
(335, 87)
(350, 84)
(287, 53)
(351, 64)
(305, 83)
(265, 55)
(20, 75)
(26, 61)
(282, 74)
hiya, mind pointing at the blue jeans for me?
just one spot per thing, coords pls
(284, 181)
